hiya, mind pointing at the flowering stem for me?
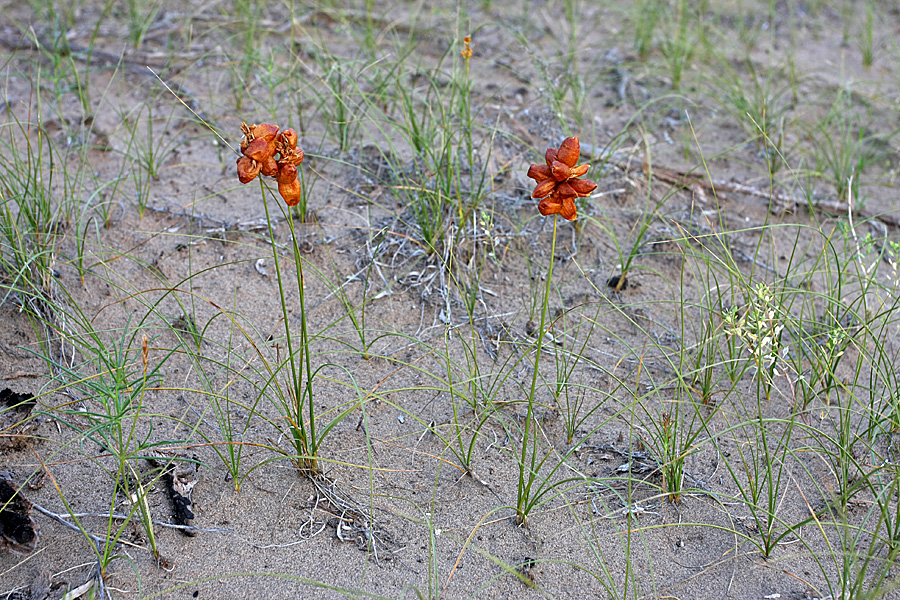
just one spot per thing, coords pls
(522, 504)
(304, 445)
(312, 459)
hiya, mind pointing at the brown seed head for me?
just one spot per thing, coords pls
(558, 181)
(260, 145)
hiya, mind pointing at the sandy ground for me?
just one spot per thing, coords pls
(201, 249)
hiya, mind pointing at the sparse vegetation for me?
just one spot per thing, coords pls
(396, 367)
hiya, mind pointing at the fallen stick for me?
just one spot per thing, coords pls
(692, 180)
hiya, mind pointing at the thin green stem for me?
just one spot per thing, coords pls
(304, 445)
(525, 487)
(304, 343)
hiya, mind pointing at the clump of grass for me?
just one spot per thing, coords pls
(678, 48)
(866, 39)
(148, 149)
(843, 147)
(30, 218)
(762, 107)
(357, 312)
(111, 381)
(431, 113)
(40, 188)
(465, 432)
(647, 14)
(569, 356)
(250, 34)
(618, 281)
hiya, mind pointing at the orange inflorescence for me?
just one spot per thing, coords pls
(259, 147)
(467, 48)
(558, 181)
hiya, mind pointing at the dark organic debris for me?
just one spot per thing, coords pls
(526, 570)
(613, 282)
(179, 476)
(44, 588)
(179, 491)
(18, 531)
(15, 422)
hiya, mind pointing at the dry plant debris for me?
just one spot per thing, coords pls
(15, 425)
(351, 521)
(179, 475)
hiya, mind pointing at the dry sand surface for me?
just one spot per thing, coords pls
(154, 239)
